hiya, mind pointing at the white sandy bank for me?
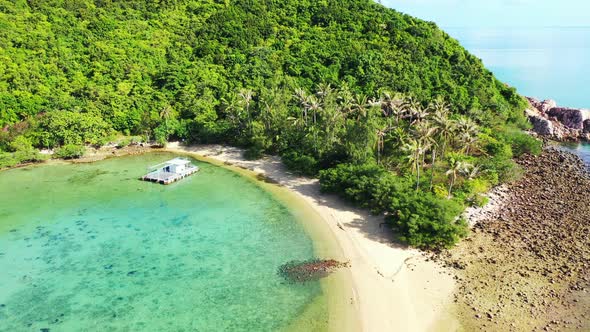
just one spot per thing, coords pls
(396, 288)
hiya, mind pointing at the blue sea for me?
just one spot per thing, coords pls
(543, 62)
(542, 48)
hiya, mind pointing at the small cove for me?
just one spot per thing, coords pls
(89, 247)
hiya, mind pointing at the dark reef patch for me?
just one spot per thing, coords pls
(310, 270)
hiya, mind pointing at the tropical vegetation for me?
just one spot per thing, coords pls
(388, 110)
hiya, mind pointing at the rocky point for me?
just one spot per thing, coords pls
(559, 123)
(526, 265)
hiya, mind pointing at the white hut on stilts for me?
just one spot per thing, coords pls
(170, 171)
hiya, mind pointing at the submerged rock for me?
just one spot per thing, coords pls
(311, 270)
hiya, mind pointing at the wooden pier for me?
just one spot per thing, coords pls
(170, 171)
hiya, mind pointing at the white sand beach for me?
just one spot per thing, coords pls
(396, 288)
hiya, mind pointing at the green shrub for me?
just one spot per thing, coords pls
(479, 200)
(426, 221)
(422, 219)
(124, 142)
(522, 143)
(493, 147)
(21, 143)
(64, 127)
(29, 156)
(253, 153)
(259, 142)
(24, 151)
(7, 160)
(301, 163)
(70, 151)
(440, 191)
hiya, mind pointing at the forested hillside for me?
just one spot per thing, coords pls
(322, 83)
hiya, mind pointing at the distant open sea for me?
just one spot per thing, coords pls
(546, 63)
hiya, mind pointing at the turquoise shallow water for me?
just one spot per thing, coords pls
(91, 248)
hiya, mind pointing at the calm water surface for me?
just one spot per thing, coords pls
(546, 56)
(582, 150)
(90, 248)
(542, 62)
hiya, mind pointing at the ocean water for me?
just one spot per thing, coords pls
(546, 63)
(543, 49)
(582, 150)
(541, 62)
(89, 247)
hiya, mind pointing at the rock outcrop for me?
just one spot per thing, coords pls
(541, 125)
(559, 123)
(530, 255)
(570, 117)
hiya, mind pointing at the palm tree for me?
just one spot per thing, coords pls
(456, 167)
(387, 104)
(439, 105)
(419, 114)
(246, 96)
(359, 106)
(399, 135)
(324, 90)
(470, 172)
(345, 100)
(165, 115)
(232, 110)
(314, 105)
(465, 124)
(434, 147)
(302, 99)
(415, 149)
(469, 140)
(445, 128)
(381, 133)
(392, 105)
(409, 106)
(467, 130)
(267, 115)
(424, 132)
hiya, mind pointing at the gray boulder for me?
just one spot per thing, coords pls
(541, 125)
(543, 106)
(570, 117)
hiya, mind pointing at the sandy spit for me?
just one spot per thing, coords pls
(396, 288)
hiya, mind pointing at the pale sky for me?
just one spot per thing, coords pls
(497, 13)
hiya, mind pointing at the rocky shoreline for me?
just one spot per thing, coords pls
(526, 265)
(558, 123)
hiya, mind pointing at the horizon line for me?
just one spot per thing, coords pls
(515, 27)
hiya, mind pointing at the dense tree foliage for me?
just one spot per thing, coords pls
(321, 83)
(127, 61)
(422, 219)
